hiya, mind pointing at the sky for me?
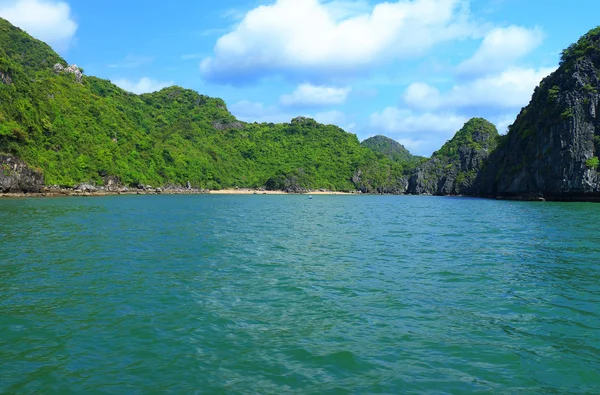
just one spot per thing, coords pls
(412, 70)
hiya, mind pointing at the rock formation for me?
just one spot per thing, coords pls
(5, 78)
(17, 177)
(73, 69)
(551, 151)
(452, 170)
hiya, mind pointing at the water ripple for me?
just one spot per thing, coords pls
(272, 294)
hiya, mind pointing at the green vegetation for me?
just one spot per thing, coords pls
(466, 177)
(83, 132)
(567, 114)
(587, 45)
(593, 163)
(477, 134)
(589, 88)
(391, 149)
(553, 93)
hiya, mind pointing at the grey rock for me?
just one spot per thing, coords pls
(547, 151)
(73, 69)
(112, 183)
(5, 78)
(17, 177)
(86, 187)
(456, 173)
(220, 125)
(392, 185)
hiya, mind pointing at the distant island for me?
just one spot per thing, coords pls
(61, 130)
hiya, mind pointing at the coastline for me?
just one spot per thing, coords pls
(55, 192)
(70, 192)
(248, 191)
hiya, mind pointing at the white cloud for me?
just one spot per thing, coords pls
(333, 117)
(510, 89)
(249, 111)
(303, 37)
(49, 21)
(422, 96)
(500, 48)
(502, 122)
(419, 133)
(307, 95)
(144, 85)
(340, 9)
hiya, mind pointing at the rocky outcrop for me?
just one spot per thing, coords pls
(453, 169)
(5, 78)
(73, 69)
(86, 187)
(551, 151)
(221, 125)
(112, 183)
(364, 182)
(17, 177)
(93, 190)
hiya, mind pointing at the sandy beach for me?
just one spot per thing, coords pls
(244, 191)
(181, 191)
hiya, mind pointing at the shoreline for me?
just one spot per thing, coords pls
(248, 191)
(68, 192)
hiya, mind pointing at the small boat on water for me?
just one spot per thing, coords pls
(310, 196)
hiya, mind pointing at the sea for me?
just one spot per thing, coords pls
(284, 294)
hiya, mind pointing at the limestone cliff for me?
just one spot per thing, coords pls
(453, 169)
(17, 177)
(551, 151)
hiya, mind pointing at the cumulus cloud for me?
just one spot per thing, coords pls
(502, 122)
(500, 48)
(422, 96)
(49, 21)
(419, 133)
(249, 111)
(435, 116)
(341, 9)
(144, 85)
(509, 89)
(307, 95)
(306, 37)
(333, 117)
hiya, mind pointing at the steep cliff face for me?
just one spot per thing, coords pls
(453, 169)
(17, 177)
(551, 151)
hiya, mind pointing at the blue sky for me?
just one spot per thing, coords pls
(414, 70)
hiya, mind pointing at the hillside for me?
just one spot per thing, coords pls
(391, 149)
(453, 169)
(71, 128)
(551, 151)
(61, 127)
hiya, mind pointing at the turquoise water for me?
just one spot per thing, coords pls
(281, 294)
